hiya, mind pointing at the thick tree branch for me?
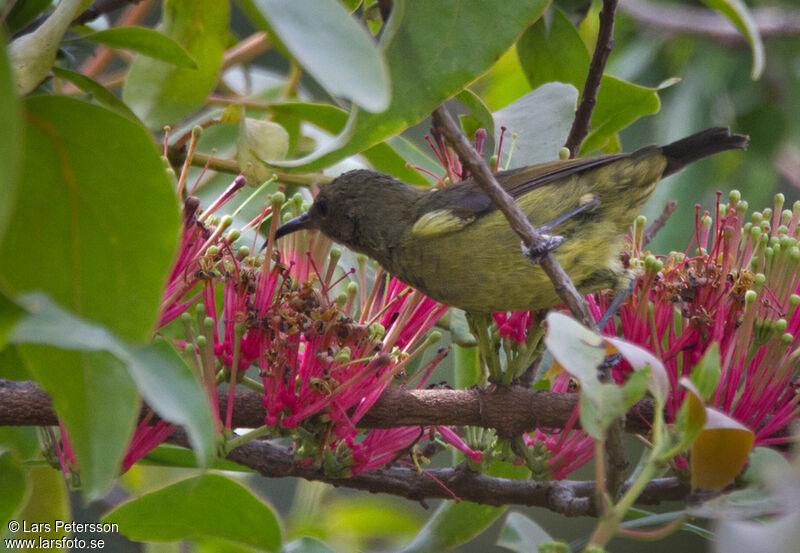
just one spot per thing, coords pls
(511, 411)
(583, 115)
(681, 19)
(570, 498)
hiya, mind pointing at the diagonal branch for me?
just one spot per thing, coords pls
(583, 115)
(532, 240)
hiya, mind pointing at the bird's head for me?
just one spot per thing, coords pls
(362, 209)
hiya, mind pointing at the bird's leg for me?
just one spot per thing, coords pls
(616, 303)
(480, 324)
(552, 241)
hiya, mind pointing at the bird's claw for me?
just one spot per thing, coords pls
(538, 253)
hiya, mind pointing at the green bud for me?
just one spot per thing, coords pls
(780, 325)
(233, 236)
(758, 282)
(778, 201)
(278, 199)
(242, 252)
(750, 298)
(376, 331)
(212, 251)
(343, 355)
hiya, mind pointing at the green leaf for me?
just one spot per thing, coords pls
(160, 374)
(170, 388)
(33, 54)
(503, 83)
(97, 401)
(456, 523)
(98, 223)
(145, 41)
(338, 52)
(521, 534)
(541, 120)
(481, 115)
(382, 157)
(205, 506)
(167, 455)
(13, 482)
(579, 350)
(619, 103)
(10, 139)
(558, 53)
(737, 13)
(98, 91)
(706, 374)
(688, 424)
(161, 93)
(467, 367)
(431, 58)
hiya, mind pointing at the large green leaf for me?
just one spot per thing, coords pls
(145, 41)
(541, 120)
(97, 401)
(100, 93)
(10, 140)
(161, 376)
(205, 506)
(433, 51)
(171, 389)
(161, 93)
(557, 53)
(97, 224)
(338, 52)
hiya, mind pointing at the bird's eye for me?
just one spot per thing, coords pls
(322, 207)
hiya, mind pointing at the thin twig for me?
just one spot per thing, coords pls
(246, 50)
(533, 241)
(101, 7)
(231, 166)
(659, 223)
(583, 115)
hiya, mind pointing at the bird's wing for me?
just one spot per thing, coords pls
(458, 205)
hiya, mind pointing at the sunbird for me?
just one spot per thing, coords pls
(456, 247)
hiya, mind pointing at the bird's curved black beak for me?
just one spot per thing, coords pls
(300, 222)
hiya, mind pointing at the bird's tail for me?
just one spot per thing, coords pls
(699, 145)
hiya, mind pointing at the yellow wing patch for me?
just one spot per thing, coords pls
(440, 221)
